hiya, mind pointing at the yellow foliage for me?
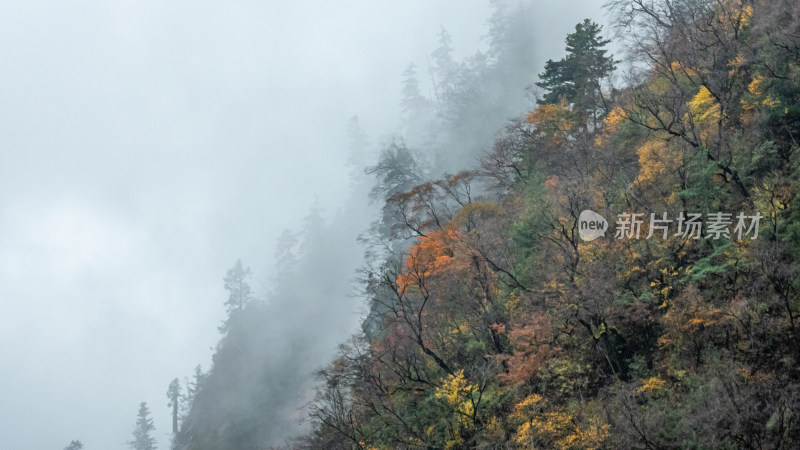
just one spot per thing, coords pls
(757, 97)
(472, 211)
(704, 106)
(756, 86)
(680, 68)
(664, 342)
(454, 387)
(704, 317)
(494, 429)
(652, 384)
(663, 286)
(591, 436)
(454, 443)
(457, 392)
(513, 304)
(615, 118)
(553, 122)
(755, 376)
(653, 159)
(551, 428)
(368, 446)
(526, 405)
(771, 102)
(736, 63)
(747, 14)
(611, 124)
(555, 428)
(735, 12)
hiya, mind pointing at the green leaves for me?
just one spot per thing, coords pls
(578, 78)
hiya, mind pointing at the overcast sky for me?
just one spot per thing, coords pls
(145, 146)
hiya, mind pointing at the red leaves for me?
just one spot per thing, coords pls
(532, 349)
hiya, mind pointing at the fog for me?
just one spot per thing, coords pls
(145, 146)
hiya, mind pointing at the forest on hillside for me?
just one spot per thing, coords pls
(600, 253)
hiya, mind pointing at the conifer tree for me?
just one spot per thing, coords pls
(74, 445)
(578, 77)
(142, 439)
(174, 396)
(239, 293)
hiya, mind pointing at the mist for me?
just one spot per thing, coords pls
(146, 146)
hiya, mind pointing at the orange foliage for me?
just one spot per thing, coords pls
(553, 122)
(432, 254)
(551, 182)
(532, 350)
(499, 328)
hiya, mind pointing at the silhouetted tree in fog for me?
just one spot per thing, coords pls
(142, 440)
(74, 445)
(239, 293)
(174, 396)
(192, 388)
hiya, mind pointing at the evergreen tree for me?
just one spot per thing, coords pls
(174, 396)
(411, 100)
(193, 386)
(286, 252)
(358, 145)
(444, 66)
(239, 293)
(142, 440)
(74, 445)
(558, 80)
(578, 77)
(397, 171)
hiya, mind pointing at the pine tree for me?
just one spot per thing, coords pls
(444, 66)
(578, 77)
(411, 101)
(74, 445)
(396, 172)
(358, 146)
(193, 386)
(286, 252)
(558, 80)
(174, 396)
(239, 293)
(142, 440)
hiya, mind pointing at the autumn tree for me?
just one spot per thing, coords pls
(494, 324)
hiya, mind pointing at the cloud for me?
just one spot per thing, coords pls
(144, 146)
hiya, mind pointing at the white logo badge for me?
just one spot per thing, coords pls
(591, 225)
